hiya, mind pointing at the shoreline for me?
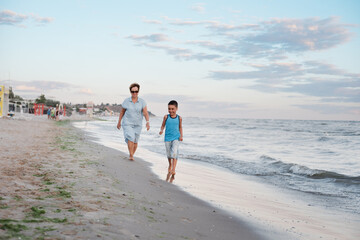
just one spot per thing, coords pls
(277, 212)
(57, 184)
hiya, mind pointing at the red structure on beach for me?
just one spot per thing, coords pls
(39, 109)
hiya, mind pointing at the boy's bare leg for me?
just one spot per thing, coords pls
(174, 162)
(170, 167)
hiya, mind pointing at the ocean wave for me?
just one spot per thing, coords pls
(323, 139)
(269, 166)
(292, 168)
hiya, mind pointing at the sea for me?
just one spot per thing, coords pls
(318, 161)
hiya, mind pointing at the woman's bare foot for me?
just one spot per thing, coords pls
(131, 158)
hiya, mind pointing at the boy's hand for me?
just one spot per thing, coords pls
(181, 138)
(161, 131)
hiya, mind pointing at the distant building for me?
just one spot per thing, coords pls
(4, 101)
(90, 109)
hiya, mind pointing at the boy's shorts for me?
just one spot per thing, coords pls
(172, 149)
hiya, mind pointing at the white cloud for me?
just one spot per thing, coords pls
(301, 34)
(156, 37)
(8, 17)
(86, 91)
(183, 53)
(41, 19)
(271, 40)
(152, 21)
(198, 7)
(311, 78)
(26, 88)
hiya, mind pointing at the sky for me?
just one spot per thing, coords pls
(262, 59)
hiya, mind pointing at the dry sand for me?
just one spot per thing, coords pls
(55, 184)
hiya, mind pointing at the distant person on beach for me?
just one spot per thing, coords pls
(131, 116)
(52, 113)
(57, 112)
(173, 134)
(48, 112)
(61, 114)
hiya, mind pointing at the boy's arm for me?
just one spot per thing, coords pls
(163, 125)
(180, 128)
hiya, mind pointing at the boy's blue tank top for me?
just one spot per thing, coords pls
(172, 128)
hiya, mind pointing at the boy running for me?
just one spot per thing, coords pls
(173, 134)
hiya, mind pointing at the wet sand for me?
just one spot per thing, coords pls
(56, 184)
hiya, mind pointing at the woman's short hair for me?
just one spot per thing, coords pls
(134, 85)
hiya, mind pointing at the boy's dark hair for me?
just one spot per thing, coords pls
(174, 103)
(134, 85)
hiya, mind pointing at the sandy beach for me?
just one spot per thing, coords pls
(56, 184)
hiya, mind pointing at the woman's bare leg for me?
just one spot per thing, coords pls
(135, 147)
(131, 150)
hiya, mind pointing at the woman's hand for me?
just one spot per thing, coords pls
(119, 125)
(147, 125)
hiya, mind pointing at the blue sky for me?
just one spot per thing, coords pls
(247, 59)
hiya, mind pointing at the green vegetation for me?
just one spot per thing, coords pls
(48, 182)
(63, 122)
(18, 198)
(53, 220)
(13, 227)
(64, 194)
(65, 143)
(3, 206)
(43, 230)
(37, 212)
(39, 175)
(12, 230)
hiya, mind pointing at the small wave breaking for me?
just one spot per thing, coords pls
(293, 168)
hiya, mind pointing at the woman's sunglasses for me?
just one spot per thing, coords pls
(134, 91)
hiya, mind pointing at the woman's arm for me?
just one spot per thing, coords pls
(146, 115)
(120, 117)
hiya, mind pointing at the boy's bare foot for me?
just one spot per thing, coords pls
(172, 178)
(168, 176)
